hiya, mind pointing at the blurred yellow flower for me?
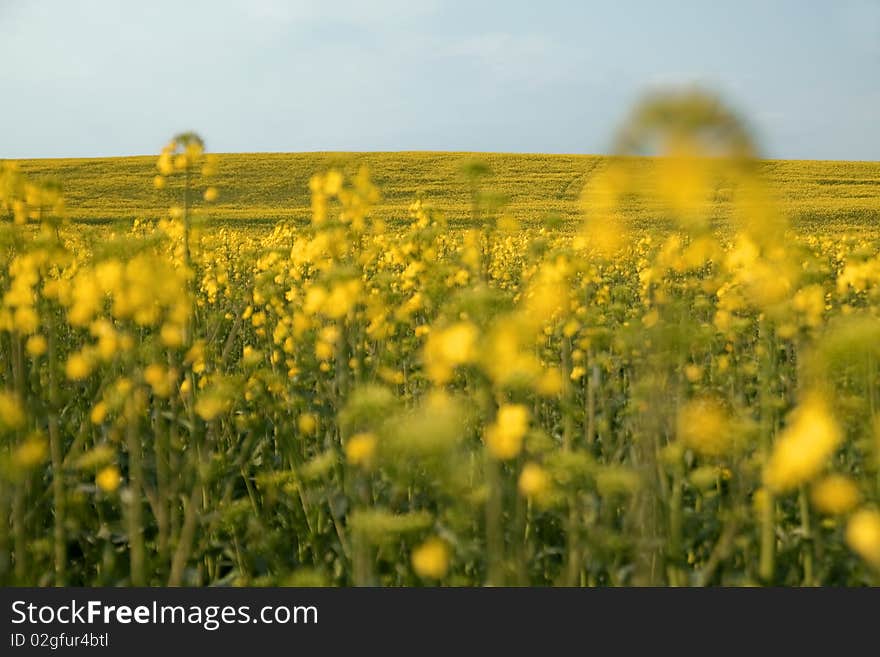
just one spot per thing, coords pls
(360, 449)
(448, 348)
(504, 437)
(99, 413)
(159, 380)
(533, 480)
(31, 453)
(550, 383)
(804, 446)
(307, 423)
(430, 560)
(36, 345)
(108, 479)
(703, 426)
(863, 535)
(165, 164)
(11, 413)
(171, 335)
(761, 500)
(835, 494)
(323, 350)
(211, 405)
(78, 367)
(693, 373)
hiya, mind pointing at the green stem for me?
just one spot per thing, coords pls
(59, 537)
(135, 502)
(494, 531)
(806, 529)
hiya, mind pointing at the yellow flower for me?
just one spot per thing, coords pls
(196, 357)
(360, 449)
(164, 163)
(158, 378)
(605, 228)
(693, 373)
(811, 302)
(78, 367)
(702, 426)
(211, 405)
(533, 480)
(448, 348)
(99, 413)
(804, 447)
(550, 384)
(171, 335)
(323, 350)
(108, 479)
(835, 494)
(31, 452)
(863, 535)
(651, 318)
(11, 414)
(430, 560)
(504, 437)
(341, 299)
(307, 423)
(36, 345)
(211, 194)
(761, 501)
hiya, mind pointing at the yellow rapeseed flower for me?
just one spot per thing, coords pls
(11, 413)
(99, 412)
(430, 560)
(164, 164)
(504, 437)
(550, 383)
(693, 373)
(835, 494)
(36, 345)
(533, 480)
(307, 423)
(78, 367)
(804, 447)
(159, 380)
(360, 449)
(108, 479)
(31, 453)
(211, 405)
(703, 426)
(863, 535)
(171, 335)
(448, 348)
(324, 350)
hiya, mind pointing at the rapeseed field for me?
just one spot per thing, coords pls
(441, 368)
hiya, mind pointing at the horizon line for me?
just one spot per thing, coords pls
(415, 151)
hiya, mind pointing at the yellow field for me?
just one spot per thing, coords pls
(269, 187)
(286, 369)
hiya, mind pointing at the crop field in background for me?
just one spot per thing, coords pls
(265, 188)
(402, 369)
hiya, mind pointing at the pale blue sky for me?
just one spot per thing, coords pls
(98, 77)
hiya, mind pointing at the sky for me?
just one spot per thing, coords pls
(104, 77)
